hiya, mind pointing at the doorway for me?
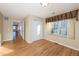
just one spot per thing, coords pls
(18, 31)
(15, 31)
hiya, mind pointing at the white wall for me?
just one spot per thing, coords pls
(71, 41)
(1, 28)
(28, 28)
(7, 30)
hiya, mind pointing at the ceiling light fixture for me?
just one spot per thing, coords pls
(44, 4)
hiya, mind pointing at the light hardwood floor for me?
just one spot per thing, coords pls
(37, 48)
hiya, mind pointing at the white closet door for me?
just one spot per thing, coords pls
(37, 30)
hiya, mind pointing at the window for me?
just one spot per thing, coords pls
(14, 27)
(59, 28)
(38, 29)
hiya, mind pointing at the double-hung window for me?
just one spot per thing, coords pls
(59, 28)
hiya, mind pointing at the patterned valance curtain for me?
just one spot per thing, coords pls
(68, 15)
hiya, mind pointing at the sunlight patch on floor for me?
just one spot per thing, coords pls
(4, 50)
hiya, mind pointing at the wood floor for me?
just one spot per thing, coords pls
(37, 48)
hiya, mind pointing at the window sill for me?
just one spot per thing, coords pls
(59, 35)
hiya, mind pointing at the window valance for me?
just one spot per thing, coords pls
(67, 15)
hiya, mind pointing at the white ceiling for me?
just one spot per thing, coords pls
(20, 10)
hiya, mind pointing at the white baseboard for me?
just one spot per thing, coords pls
(69, 46)
(64, 45)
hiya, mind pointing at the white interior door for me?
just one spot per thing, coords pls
(37, 32)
